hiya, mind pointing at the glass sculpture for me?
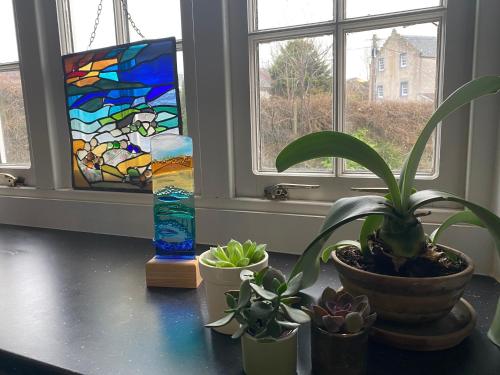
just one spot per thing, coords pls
(173, 191)
(117, 98)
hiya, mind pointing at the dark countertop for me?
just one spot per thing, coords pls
(78, 301)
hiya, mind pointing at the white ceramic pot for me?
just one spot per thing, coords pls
(277, 357)
(218, 281)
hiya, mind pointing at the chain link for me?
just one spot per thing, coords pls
(97, 19)
(129, 17)
(96, 23)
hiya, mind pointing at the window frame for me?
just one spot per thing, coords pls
(251, 183)
(380, 91)
(403, 60)
(404, 89)
(22, 170)
(381, 64)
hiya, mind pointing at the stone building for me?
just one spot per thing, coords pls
(403, 68)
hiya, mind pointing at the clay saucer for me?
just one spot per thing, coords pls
(443, 333)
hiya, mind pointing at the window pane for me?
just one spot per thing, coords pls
(295, 96)
(83, 14)
(388, 108)
(155, 18)
(182, 90)
(14, 145)
(362, 8)
(8, 52)
(281, 13)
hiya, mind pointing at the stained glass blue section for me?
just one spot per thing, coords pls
(117, 99)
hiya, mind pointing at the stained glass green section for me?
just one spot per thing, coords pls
(117, 99)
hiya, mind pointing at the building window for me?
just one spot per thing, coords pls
(381, 64)
(403, 89)
(403, 60)
(14, 142)
(380, 91)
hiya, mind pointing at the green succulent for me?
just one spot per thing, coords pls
(262, 306)
(341, 312)
(392, 219)
(235, 254)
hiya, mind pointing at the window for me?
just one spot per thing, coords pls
(380, 92)
(403, 60)
(76, 24)
(381, 65)
(348, 49)
(403, 89)
(14, 142)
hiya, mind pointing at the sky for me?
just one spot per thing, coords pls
(291, 12)
(358, 45)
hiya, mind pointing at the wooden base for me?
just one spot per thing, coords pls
(173, 273)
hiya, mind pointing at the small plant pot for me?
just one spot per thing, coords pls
(218, 281)
(276, 357)
(336, 353)
(407, 299)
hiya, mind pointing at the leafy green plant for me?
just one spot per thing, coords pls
(341, 312)
(235, 254)
(262, 306)
(391, 219)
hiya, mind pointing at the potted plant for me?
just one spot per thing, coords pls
(268, 322)
(220, 268)
(406, 275)
(340, 324)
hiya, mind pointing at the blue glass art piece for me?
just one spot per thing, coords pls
(117, 99)
(173, 191)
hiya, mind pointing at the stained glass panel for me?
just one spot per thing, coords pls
(117, 99)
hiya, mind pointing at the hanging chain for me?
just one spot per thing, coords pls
(129, 17)
(96, 23)
(97, 19)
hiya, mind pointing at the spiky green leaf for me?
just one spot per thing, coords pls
(327, 251)
(341, 145)
(342, 212)
(370, 225)
(462, 217)
(489, 219)
(464, 95)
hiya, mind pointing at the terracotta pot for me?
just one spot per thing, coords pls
(277, 357)
(407, 299)
(336, 353)
(220, 280)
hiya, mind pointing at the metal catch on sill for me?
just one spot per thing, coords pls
(279, 192)
(7, 179)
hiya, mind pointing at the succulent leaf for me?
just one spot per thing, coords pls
(332, 324)
(353, 322)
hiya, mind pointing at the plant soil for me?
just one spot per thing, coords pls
(433, 262)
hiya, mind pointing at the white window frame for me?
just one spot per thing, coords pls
(251, 183)
(404, 89)
(218, 109)
(380, 91)
(403, 60)
(22, 170)
(381, 64)
(122, 26)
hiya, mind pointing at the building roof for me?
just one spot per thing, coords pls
(427, 45)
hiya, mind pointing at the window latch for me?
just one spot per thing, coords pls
(7, 179)
(279, 192)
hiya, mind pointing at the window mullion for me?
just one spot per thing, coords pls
(121, 24)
